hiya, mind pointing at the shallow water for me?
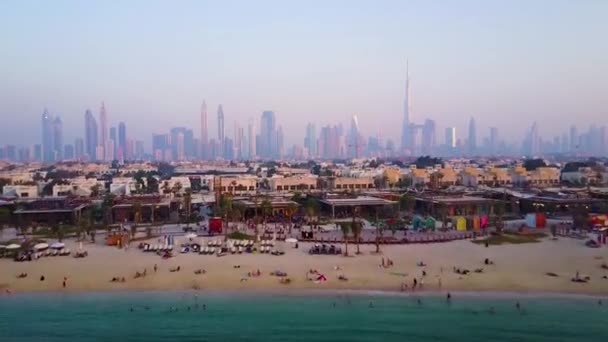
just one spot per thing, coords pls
(308, 317)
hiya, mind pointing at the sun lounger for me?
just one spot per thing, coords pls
(240, 250)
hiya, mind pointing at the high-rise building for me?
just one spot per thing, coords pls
(251, 139)
(472, 141)
(268, 136)
(114, 141)
(355, 145)
(310, 141)
(122, 141)
(406, 128)
(428, 137)
(450, 138)
(58, 139)
(79, 149)
(48, 147)
(90, 135)
(103, 130)
(204, 133)
(179, 146)
(160, 144)
(220, 129)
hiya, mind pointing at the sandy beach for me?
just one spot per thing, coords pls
(517, 268)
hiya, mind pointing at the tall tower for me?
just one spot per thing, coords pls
(220, 129)
(103, 129)
(122, 142)
(472, 142)
(58, 139)
(90, 135)
(405, 129)
(251, 139)
(47, 137)
(204, 132)
(268, 135)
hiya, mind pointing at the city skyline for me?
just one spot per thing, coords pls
(501, 63)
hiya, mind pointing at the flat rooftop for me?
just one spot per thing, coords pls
(361, 200)
(456, 200)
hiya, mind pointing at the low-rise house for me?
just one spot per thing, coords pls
(21, 191)
(293, 183)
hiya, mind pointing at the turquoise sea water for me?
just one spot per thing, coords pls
(306, 317)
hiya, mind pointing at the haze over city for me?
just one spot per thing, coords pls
(507, 64)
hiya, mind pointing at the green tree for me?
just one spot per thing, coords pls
(312, 208)
(407, 202)
(187, 206)
(356, 227)
(292, 208)
(95, 190)
(266, 208)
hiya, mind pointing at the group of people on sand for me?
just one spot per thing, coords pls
(387, 263)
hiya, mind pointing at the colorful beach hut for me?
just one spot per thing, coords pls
(461, 223)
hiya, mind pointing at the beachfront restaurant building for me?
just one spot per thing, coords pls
(279, 207)
(47, 211)
(343, 206)
(150, 208)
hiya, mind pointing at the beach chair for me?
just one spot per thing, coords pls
(240, 250)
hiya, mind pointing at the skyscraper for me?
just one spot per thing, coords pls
(204, 132)
(103, 130)
(58, 139)
(355, 145)
(268, 135)
(90, 135)
(405, 128)
(48, 155)
(113, 141)
(220, 129)
(251, 141)
(450, 138)
(428, 137)
(122, 141)
(472, 142)
(310, 141)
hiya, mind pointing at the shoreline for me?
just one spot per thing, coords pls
(308, 292)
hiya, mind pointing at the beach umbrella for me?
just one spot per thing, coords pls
(2, 246)
(190, 236)
(57, 245)
(41, 246)
(291, 240)
(13, 246)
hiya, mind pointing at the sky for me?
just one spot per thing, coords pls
(506, 63)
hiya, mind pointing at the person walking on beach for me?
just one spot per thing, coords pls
(155, 268)
(449, 298)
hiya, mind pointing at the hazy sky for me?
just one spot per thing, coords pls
(507, 63)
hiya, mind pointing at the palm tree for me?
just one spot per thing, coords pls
(166, 188)
(177, 187)
(266, 208)
(345, 230)
(187, 204)
(442, 210)
(136, 219)
(95, 190)
(311, 210)
(407, 202)
(238, 210)
(292, 208)
(106, 209)
(356, 228)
